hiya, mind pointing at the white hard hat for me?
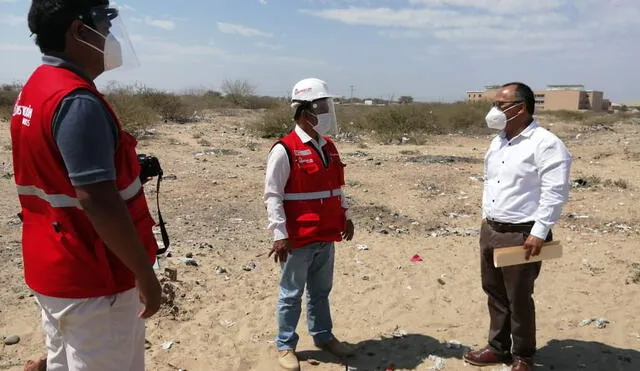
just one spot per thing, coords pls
(310, 89)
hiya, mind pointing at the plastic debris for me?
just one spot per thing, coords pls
(438, 363)
(416, 258)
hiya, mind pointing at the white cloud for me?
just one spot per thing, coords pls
(12, 20)
(121, 7)
(496, 6)
(238, 29)
(263, 45)
(496, 25)
(165, 24)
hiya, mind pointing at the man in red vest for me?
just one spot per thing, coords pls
(307, 213)
(87, 240)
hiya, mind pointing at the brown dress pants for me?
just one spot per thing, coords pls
(509, 290)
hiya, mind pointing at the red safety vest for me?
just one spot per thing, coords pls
(63, 255)
(313, 195)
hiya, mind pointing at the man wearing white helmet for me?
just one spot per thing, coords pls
(308, 213)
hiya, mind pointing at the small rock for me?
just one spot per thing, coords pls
(249, 267)
(189, 255)
(221, 270)
(313, 362)
(441, 281)
(11, 340)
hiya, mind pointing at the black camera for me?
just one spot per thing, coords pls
(149, 167)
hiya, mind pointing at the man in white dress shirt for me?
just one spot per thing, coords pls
(526, 185)
(307, 213)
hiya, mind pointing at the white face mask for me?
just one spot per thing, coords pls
(112, 51)
(324, 123)
(497, 119)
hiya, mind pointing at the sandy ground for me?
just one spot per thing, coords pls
(221, 316)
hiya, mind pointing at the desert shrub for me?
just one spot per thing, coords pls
(8, 95)
(390, 124)
(565, 115)
(275, 123)
(169, 106)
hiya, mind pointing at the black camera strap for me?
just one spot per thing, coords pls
(163, 229)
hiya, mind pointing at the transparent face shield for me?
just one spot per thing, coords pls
(114, 42)
(324, 110)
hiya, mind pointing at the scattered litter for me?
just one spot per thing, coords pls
(439, 159)
(580, 183)
(453, 344)
(438, 363)
(190, 261)
(585, 322)
(227, 323)
(599, 322)
(167, 345)
(447, 231)
(362, 247)
(416, 258)
(573, 216)
(217, 152)
(249, 267)
(397, 333)
(171, 273)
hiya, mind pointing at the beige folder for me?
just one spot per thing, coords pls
(506, 256)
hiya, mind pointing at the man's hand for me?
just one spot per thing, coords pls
(280, 250)
(150, 294)
(533, 245)
(349, 229)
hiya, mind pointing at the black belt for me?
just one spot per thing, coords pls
(510, 227)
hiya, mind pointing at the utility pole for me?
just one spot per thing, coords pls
(351, 89)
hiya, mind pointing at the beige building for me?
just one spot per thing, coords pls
(555, 98)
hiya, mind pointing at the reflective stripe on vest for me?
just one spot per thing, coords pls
(311, 195)
(62, 200)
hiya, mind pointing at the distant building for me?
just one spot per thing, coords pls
(555, 98)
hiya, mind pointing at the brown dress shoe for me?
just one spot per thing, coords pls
(520, 364)
(486, 357)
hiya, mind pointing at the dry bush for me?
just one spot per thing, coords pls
(390, 124)
(276, 122)
(8, 95)
(134, 116)
(567, 116)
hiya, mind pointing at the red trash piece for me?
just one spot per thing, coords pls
(416, 258)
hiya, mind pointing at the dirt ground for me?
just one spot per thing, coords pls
(405, 200)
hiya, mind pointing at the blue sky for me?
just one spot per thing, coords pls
(430, 49)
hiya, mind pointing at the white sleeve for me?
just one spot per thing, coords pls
(277, 174)
(554, 166)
